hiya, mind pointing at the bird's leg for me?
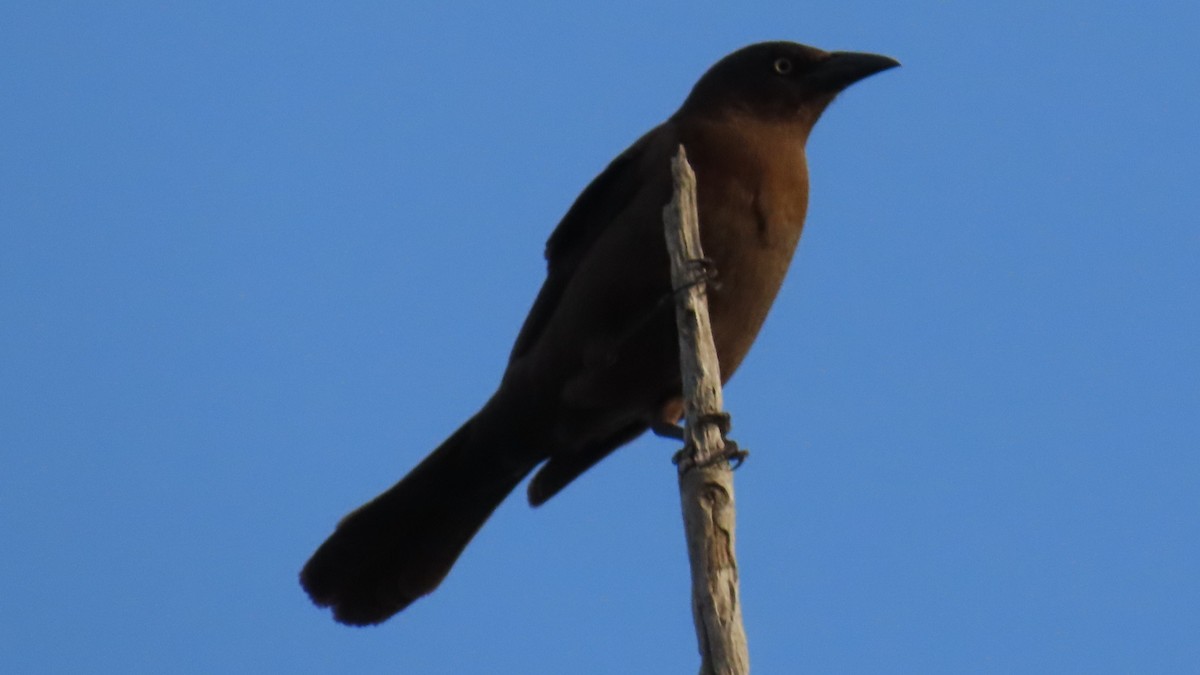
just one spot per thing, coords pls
(731, 452)
(664, 429)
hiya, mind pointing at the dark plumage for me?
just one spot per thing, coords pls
(596, 363)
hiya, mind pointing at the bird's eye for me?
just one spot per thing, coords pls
(783, 66)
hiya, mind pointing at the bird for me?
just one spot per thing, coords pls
(596, 362)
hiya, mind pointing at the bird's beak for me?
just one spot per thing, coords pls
(843, 69)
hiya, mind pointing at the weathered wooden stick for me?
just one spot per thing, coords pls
(705, 477)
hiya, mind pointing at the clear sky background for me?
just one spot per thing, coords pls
(257, 259)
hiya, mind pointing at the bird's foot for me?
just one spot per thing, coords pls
(664, 429)
(685, 459)
(721, 419)
(702, 271)
(731, 453)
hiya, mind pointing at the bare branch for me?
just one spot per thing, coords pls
(705, 477)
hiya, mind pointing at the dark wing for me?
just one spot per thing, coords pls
(600, 202)
(557, 473)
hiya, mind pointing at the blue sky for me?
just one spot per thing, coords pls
(255, 261)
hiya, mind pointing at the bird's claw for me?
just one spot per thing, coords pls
(703, 271)
(734, 454)
(731, 453)
(721, 419)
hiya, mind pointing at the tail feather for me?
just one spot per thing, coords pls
(399, 546)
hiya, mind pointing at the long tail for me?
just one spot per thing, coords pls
(400, 545)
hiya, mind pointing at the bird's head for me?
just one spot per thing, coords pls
(780, 80)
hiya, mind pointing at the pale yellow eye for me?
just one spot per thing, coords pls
(783, 66)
